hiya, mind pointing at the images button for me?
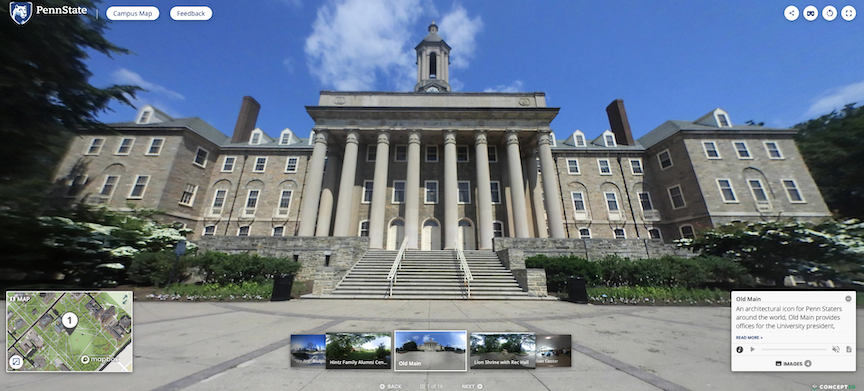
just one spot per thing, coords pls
(191, 13)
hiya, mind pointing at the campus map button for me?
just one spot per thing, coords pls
(138, 12)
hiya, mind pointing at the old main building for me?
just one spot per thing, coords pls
(444, 169)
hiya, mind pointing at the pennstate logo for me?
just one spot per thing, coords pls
(21, 12)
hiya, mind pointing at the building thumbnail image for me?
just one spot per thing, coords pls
(442, 170)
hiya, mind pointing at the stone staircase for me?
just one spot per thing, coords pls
(429, 275)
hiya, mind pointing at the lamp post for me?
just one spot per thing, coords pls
(179, 250)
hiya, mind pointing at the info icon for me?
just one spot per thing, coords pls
(810, 13)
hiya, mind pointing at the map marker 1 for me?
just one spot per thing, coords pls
(70, 321)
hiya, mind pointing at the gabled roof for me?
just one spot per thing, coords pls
(595, 145)
(671, 127)
(195, 124)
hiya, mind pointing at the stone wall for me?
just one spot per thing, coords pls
(536, 281)
(517, 249)
(312, 252)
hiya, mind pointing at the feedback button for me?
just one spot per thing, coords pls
(191, 13)
(132, 13)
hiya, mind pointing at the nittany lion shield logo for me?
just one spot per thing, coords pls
(21, 11)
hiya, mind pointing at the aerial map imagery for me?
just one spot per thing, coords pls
(77, 331)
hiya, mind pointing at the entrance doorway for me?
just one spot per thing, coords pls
(466, 235)
(395, 234)
(431, 236)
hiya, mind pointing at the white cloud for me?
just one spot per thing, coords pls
(125, 76)
(456, 85)
(288, 63)
(516, 86)
(355, 44)
(459, 31)
(836, 98)
(355, 41)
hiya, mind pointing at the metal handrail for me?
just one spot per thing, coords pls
(466, 271)
(397, 264)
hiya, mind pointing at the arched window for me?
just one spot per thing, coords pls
(687, 232)
(498, 229)
(433, 65)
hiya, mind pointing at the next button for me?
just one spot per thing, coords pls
(191, 13)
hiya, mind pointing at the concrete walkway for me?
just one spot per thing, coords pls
(245, 346)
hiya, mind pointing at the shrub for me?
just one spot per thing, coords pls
(224, 269)
(559, 268)
(154, 268)
(666, 271)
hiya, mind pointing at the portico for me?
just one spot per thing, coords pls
(443, 169)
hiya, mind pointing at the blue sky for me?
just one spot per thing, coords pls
(300, 341)
(665, 59)
(456, 339)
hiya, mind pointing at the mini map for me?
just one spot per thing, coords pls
(77, 331)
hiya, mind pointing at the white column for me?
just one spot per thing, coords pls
(451, 192)
(412, 191)
(484, 191)
(344, 208)
(419, 67)
(312, 191)
(445, 66)
(379, 192)
(514, 163)
(536, 193)
(325, 208)
(554, 212)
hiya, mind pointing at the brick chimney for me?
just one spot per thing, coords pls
(246, 120)
(619, 123)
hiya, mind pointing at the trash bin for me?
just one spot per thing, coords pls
(282, 287)
(576, 290)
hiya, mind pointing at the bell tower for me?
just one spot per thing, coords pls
(433, 63)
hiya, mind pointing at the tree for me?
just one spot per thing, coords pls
(409, 346)
(45, 98)
(93, 247)
(340, 344)
(45, 94)
(774, 250)
(833, 148)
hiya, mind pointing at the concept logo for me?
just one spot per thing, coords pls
(21, 12)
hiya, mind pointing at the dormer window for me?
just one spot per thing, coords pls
(256, 138)
(287, 137)
(722, 120)
(578, 139)
(609, 139)
(145, 116)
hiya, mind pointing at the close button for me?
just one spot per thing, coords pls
(191, 13)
